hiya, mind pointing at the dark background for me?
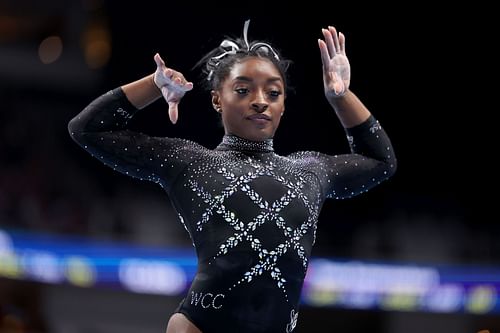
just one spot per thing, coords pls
(415, 66)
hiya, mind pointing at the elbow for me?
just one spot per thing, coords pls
(75, 128)
(392, 166)
(72, 128)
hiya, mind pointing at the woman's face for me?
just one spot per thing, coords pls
(251, 99)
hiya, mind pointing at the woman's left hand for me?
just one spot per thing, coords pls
(336, 68)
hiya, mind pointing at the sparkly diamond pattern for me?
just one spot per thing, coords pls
(269, 212)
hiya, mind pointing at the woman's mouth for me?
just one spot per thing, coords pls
(259, 117)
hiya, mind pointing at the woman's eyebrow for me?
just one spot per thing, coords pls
(248, 79)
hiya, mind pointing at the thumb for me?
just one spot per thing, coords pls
(159, 61)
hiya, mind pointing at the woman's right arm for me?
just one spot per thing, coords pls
(101, 130)
(166, 81)
(142, 92)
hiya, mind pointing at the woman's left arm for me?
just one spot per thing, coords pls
(372, 158)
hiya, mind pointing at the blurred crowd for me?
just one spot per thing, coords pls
(48, 185)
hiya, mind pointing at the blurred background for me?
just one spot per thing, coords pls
(85, 249)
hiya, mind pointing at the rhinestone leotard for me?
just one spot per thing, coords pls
(250, 213)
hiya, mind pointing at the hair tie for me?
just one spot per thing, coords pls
(230, 47)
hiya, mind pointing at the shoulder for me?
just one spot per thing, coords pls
(303, 159)
(314, 159)
(181, 146)
(304, 156)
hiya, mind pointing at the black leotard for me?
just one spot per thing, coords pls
(251, 213)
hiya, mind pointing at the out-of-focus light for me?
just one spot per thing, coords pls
(96, 46)
(150, 276)
(50, 49)
(10, 266)
(5, 243)
(42, 266)
(357, 277)
(321, 296)
(400, 302)
(481, 299)
(360, 300)
(445, 298)
(80, 271)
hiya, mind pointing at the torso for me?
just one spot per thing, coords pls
(252, 217)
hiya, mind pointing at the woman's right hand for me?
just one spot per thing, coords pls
(173, 86)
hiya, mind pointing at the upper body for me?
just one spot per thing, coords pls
(250, 212)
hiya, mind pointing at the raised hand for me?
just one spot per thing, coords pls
(173, 86)
(336, 68)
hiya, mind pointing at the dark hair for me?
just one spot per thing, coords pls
(219, 62)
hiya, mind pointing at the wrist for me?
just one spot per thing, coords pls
(154, 85)
(142, 92)
(335, 100)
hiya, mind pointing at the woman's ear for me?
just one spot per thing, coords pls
(216, 101)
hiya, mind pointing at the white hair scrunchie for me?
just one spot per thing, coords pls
(231, 47)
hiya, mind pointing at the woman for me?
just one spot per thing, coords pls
(251, 213)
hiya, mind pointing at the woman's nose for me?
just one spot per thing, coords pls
(259, 103)
(259, 107)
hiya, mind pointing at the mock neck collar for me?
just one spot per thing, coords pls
(233, 142)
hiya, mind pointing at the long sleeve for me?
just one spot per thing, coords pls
(371, 161)
(101, 130)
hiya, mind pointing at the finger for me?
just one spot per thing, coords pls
(333, 31)
(325, 58)
(180, 84)
(188, 86)
(178, 81)
(173, 112)
(168, 73)
(329, 42)
(159, 61)
(182, 80)
(342, 43)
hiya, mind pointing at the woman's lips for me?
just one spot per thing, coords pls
(260, 120)
(259, 116)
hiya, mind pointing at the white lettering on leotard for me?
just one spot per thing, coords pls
(207, 300)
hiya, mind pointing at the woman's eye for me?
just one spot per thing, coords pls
(241, 91)
(274, 93)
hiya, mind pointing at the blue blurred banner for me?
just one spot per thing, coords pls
(402, 287)
(88, 263)
(329, 282)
